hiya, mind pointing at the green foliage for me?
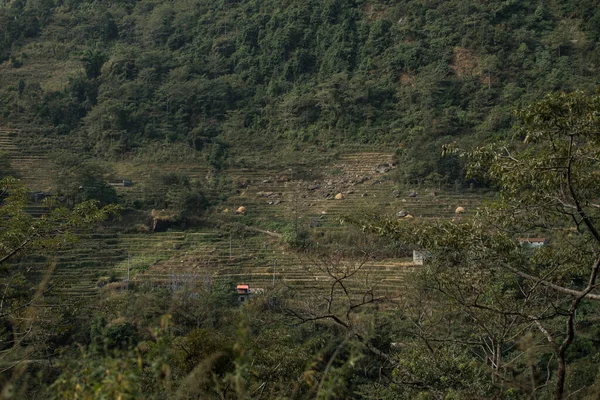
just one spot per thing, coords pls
(228, 80)
(451, 370)
(20, 232)
(121, 335)
(480, 274)
(126, 374)
(232, 79)
(582, 376)
(175, 193)
(199, 345)
(93, 60)
(79, 179)
(23, 294)
(92, 378)
(223, 293)
(118, 335)
(296, 237)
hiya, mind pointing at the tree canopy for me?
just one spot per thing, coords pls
(262, 75)
(514, 301)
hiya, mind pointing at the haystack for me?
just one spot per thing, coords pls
(241, 210)
(339, 196)
(459, 210)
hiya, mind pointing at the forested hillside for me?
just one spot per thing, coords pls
(232, 77)
(299, 199)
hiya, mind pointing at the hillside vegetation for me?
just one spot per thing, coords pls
(229, 78)
(299, 199)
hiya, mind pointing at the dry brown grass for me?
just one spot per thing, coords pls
(373, 11)
(466, 62)
(407, 79)
(47, 62)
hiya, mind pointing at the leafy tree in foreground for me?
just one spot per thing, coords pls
(524, 313)
(21, 234)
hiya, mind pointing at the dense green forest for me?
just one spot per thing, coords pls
(230, 77)
(490, 105)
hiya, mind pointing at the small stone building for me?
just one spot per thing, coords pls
(419, 256)
(533, 243)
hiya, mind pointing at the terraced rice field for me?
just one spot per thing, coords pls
(273, 198)
(29, 162)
